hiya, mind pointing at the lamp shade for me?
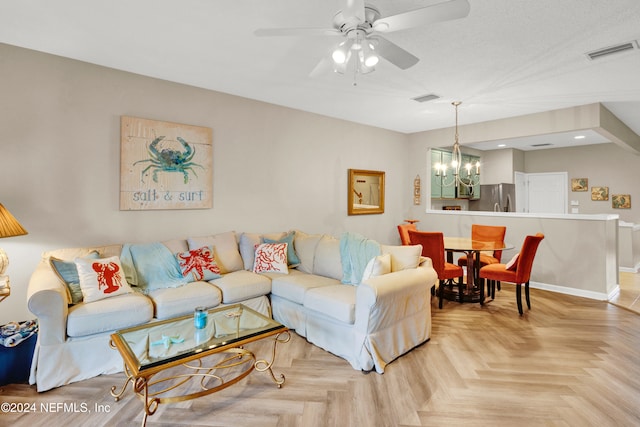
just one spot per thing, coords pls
(9, 225)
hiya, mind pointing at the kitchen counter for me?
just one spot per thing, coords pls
(579, 255)
(629, 246)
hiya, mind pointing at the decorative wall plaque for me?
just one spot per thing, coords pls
(165, 165)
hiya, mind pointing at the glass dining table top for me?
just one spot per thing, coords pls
(467, 244)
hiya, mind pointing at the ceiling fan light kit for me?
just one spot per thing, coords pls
(361, 24)
(358, 47)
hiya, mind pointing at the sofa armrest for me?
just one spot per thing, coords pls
(384, 300)
(47, 300)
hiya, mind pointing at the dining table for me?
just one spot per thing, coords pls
(473, 291)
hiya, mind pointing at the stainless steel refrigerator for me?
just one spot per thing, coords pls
(495, 198)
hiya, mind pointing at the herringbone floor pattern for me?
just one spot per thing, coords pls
(568, 362)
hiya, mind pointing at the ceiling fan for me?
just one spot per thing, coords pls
(361, 25)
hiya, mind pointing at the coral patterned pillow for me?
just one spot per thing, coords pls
(101, 278)
(271, 258)
(199, 264)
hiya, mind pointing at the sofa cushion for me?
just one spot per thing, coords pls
(294, 286)
(241, 285)
(176, 245)
(248, 242)
(172, 302)
(122, 311)
(338, 302)
(327, 258)
(403, 257)
(225, 247)
(101, 278)
(305, 246)
(71, 253)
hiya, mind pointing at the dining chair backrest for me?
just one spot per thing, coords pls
(432, 247)
(489, 233)
(403, 229)
(526, 256)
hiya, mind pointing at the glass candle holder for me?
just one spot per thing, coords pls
(200, 318)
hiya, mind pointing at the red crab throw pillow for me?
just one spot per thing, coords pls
(199, 264)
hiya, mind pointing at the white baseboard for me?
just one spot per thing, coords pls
(630, 269)
(600, 296)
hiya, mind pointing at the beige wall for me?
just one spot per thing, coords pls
(605, 165)
(274, 168)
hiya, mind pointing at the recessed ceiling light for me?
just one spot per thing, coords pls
(502, 145)
(579, 137)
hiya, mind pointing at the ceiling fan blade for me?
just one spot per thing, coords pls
(446, 11)
(394, 53)
(276, 32)
(323, 67)
(354, 9)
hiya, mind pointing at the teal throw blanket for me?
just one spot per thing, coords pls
(355, 253)
(151, 266)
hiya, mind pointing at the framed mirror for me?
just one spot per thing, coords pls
(365, 192)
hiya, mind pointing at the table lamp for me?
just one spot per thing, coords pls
(9, 227)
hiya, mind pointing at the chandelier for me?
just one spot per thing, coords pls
(467, 177)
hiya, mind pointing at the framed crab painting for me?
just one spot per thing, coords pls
(165, 165)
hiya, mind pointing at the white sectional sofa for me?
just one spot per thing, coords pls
(370, 322)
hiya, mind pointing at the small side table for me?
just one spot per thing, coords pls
(5, 289)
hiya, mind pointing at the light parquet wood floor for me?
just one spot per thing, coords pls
(568, 362)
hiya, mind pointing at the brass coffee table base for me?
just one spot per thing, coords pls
(143, 384)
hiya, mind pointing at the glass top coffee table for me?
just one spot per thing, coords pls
(163, 360)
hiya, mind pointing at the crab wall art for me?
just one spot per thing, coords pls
(170, 160)
(165, 165)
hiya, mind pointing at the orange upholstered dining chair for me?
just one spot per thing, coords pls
(517, 271)
(433, 247)
(403, 229)
(486, 233)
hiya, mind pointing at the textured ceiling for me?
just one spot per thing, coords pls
(507, 58)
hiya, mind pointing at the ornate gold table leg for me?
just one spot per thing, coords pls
(118, 395)
(263, 365)
(150, 404)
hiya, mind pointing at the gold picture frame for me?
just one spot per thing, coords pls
(621, 201)
(579, 184)
(165, 165)
(599, 193)
(365, 192)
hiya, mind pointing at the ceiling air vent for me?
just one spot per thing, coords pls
(612, 49)
(544, 144)
(425, 98)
